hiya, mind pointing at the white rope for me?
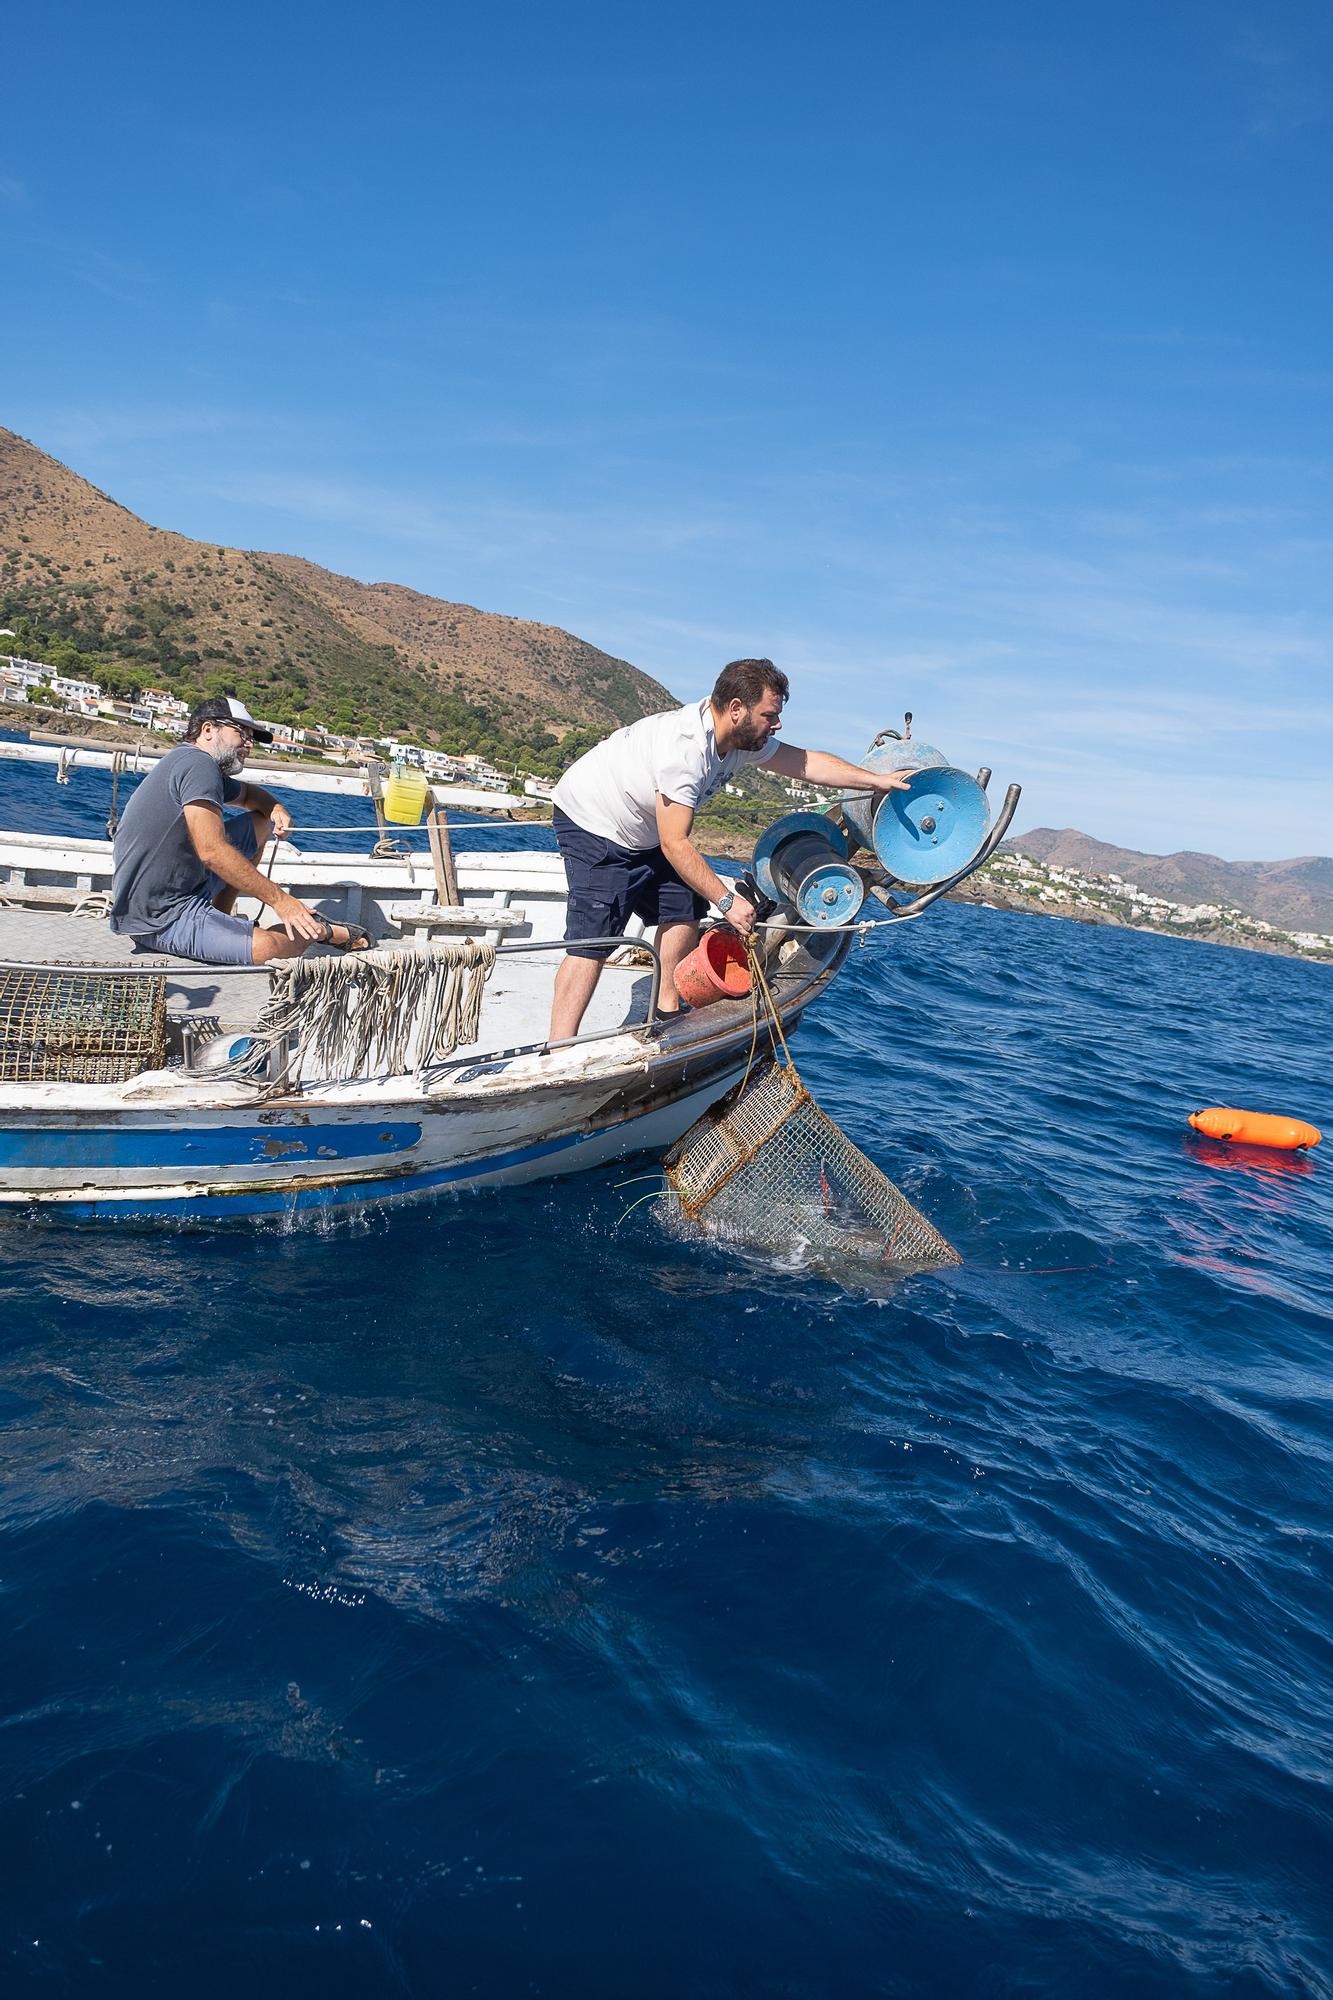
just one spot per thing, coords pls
(374, 1012)
(454, 826)
(865, 925)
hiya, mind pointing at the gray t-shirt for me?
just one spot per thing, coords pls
(157, 872)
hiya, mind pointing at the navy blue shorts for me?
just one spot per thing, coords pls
(608, 885)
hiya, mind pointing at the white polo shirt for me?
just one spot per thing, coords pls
(612, 789)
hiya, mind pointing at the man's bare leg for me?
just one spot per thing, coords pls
(275, 944)
(674, 942)
(225, 900)
(575, 981)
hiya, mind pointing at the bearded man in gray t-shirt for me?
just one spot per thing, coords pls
(179, 867)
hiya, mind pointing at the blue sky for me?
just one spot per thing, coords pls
(971, 358)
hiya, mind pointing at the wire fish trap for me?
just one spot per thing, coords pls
(61, 1026)
(766, 1167)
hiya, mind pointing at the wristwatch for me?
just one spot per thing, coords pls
(724, 903)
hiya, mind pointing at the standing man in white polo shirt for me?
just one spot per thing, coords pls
(624, 815)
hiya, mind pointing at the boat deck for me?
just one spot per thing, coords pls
(52, 911)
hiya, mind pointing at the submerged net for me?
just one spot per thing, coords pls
(60, 1026)
(767, 1168)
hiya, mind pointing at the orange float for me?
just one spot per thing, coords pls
(1255, 1128)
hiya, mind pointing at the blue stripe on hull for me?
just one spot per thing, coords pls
(287, 1201)
(201, 1149)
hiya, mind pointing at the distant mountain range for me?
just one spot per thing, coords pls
(294, 640)
(1298, 895)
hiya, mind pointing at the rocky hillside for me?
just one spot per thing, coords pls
(299, 643)
(1298, 894)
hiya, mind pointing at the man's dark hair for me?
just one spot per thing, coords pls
(746, 681)
(214, 709)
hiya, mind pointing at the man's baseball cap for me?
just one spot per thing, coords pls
(226, 708)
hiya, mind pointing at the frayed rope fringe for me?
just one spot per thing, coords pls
(376, 1012)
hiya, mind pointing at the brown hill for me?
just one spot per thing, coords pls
(1296, 894)
(297, 641)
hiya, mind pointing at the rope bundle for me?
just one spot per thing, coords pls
(376, 1012)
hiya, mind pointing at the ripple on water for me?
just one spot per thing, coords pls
(511, 1592)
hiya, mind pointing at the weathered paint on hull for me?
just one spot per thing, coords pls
(447, 1154)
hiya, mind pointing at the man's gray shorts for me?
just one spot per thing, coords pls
(202, 932)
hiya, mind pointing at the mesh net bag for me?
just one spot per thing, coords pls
(60, 1026)
(767, 1168)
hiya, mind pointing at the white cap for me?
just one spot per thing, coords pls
(227, 708)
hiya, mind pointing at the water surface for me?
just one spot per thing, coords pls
(501, 1596)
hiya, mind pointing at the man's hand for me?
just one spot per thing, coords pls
(296, 918)
(280, 820)
(890, 781)
(741, 915)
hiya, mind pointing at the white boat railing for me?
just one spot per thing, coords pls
(350, 782)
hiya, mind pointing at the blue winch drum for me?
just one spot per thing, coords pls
(894, 754)
(802, 860)
(932, 830)
(222, 1050)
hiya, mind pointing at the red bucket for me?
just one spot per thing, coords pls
(717, 969)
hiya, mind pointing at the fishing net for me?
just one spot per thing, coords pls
(60, 1026)
(768, 1169)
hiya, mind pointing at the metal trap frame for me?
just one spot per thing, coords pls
(767, 1167)
(61, 1025)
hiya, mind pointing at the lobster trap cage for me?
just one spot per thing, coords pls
(67, 1026)
(768, 1169)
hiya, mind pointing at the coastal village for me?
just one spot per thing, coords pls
(1010, 880)
(36, 683)
(25, 682)
(1015, 881)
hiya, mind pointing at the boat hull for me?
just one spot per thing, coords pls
(189, 1141)
(280, 1160)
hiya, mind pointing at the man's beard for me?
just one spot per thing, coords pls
(750, 735)
(229, 762)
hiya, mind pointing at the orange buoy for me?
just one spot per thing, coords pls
(717, 969)
(1255, 1128)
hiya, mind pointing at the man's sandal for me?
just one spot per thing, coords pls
(355, 936)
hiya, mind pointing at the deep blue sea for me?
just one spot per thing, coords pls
(503, 1597)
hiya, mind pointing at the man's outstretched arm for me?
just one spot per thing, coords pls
(253, 798)
(820, 767)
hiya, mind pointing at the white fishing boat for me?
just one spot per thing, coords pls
(135, 1085)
